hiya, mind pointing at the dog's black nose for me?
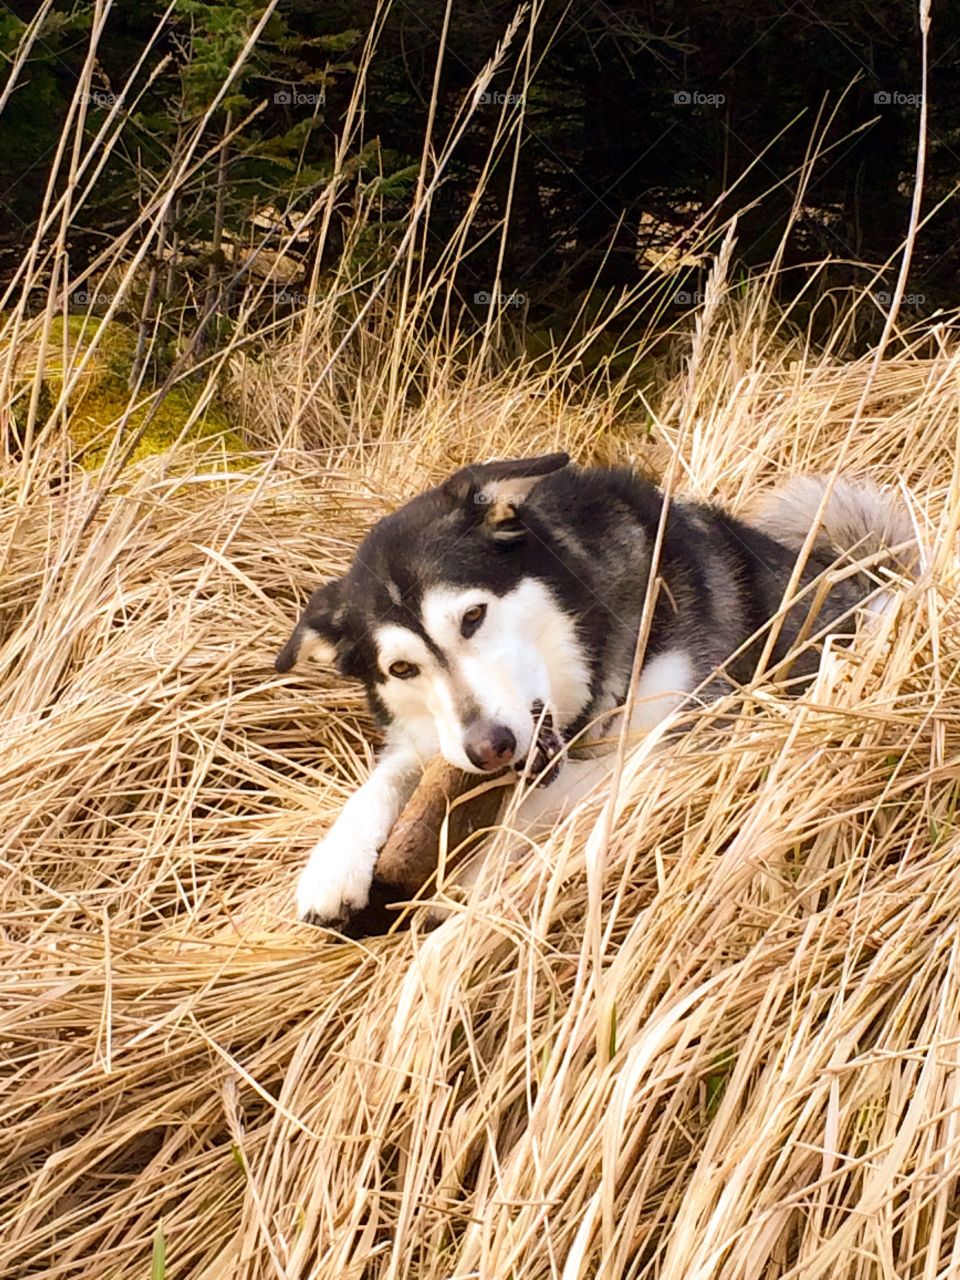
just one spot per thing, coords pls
(489, 746)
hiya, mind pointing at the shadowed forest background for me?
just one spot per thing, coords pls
(626, 124)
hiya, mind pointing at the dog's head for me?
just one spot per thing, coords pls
(445, 618)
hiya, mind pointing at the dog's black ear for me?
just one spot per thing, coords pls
(319, 632)
(498, 488)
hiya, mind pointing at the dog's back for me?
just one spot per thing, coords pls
(722, 579)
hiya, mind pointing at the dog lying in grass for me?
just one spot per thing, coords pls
(510, 597)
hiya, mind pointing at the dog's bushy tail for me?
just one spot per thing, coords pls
(858, 521)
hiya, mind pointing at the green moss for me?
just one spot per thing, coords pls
(116, 346)
(101, 395)
(92, 423)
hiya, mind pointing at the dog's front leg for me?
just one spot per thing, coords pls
(336, 880)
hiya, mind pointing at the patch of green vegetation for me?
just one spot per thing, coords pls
(158, 1262)
(716, 1083)
(89, 424)
(101, 395)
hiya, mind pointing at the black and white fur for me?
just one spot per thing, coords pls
(521, 583)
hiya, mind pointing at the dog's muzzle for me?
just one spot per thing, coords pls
(492, 747)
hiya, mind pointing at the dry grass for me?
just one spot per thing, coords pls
(723, 1043)
(726, 1045)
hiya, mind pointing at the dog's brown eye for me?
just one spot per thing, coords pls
(472, 619)
(403, 670)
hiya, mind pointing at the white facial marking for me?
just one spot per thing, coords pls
(664, 683)
(525, 650)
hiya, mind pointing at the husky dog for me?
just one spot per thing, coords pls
(519, 586)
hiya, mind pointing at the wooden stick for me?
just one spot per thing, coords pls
(412, 852)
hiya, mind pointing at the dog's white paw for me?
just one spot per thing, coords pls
(336, 881)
